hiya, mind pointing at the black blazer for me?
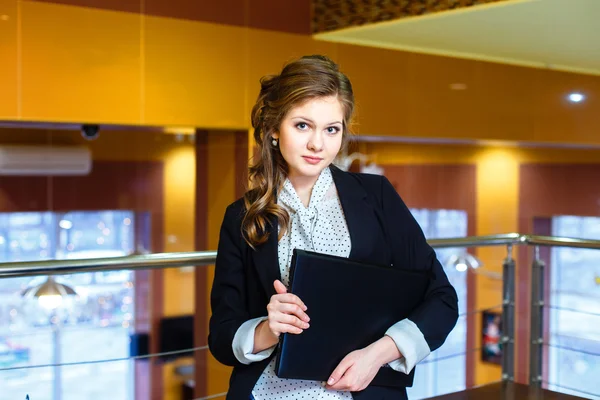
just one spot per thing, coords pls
(382, 231)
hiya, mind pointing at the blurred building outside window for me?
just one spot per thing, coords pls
(444, 370)
(574, 351)
(94, 325)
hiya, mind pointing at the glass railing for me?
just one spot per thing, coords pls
(59, 355)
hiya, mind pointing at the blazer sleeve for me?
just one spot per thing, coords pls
(228, 293)
(438, 313)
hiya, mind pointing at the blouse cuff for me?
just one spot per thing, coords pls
(410, 342)
(243, 343)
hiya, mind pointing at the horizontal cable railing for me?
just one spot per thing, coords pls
(188, 259)
(66, 327)
(568, 348)
(108, 360)
(571, 337)
(481, 310)
(449, 356)
(590, 313)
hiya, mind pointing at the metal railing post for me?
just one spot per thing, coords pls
(508, 317)
(537, 322)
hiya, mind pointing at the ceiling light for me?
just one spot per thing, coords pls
(463, 262)
(458, 86)
(180, 130)
(50, 293)
(576, 97)
(65, 224)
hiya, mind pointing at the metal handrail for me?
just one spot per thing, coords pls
(561, 242)
(515, 239)
(201, 258)
(133, 262)
(476, 241)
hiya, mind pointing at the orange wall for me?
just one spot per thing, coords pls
(221, 185)
(9, 71)
(125, 68)
(497, 201)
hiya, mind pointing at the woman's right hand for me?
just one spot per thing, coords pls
(287, 313)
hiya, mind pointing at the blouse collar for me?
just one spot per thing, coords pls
(290, 198)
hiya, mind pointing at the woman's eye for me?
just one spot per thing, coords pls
(333, 129)
(302, 126)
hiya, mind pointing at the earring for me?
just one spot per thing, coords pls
(274, 142)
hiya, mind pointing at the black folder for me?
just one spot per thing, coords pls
(351, 305)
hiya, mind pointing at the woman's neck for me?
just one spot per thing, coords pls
(303, 185)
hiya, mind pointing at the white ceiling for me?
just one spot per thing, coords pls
(557, 34)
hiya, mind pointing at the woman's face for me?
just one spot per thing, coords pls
(310, 136)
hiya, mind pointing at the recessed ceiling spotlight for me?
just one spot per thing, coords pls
(458, 86)
(576, 97)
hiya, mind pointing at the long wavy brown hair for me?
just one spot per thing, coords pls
(301, 80)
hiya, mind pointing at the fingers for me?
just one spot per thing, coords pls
(293, 309)
(275, 306)
(289, 298)
(347, 383)
(279, 287)
(286, 312)
(285, 297)
(278, 328)
(292, 320)
(336, 380)
(284, 323)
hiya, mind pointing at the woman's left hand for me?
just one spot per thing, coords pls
(356, 371)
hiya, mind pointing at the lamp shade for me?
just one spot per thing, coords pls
(49, 293)
(462, 262)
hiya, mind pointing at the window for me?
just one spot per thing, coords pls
(574, 351)
(444, 371)
(94, 325)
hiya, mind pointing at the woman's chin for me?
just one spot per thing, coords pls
(307, 171)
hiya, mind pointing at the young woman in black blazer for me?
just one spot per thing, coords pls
(299, 199)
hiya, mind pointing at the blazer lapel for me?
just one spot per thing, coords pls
(266, 260)
(360, 218)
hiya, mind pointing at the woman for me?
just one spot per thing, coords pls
(300, 200)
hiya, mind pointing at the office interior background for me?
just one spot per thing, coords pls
(124, 131)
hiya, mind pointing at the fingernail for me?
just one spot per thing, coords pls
(306, 325)
(330, 381)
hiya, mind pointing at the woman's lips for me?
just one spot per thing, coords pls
(312, 160)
